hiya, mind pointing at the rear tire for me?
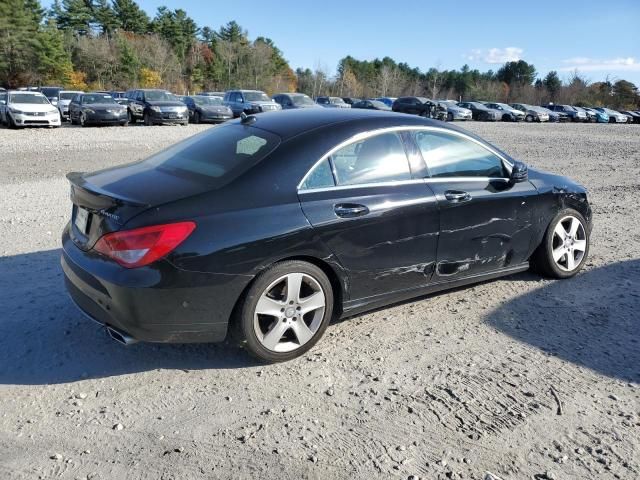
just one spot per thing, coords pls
(291, 322)
(565, 246)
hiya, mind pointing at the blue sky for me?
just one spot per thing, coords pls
(598, 38)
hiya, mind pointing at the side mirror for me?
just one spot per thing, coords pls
(519, 173)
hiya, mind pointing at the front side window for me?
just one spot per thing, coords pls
(448, 155)
(376, 159)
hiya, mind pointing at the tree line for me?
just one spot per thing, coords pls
(114, 44)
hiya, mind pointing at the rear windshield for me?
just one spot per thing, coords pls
(217, 155)
(67, 95)
(50, 91)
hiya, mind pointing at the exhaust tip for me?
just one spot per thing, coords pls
(120, 337)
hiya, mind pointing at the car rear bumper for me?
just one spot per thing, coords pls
(159, 303)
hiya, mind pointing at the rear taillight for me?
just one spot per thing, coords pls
(142, 246)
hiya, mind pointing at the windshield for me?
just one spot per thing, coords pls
(301, 100)
(336, 100)
(97, 98)
(215, 156)
(159, 96)
(207, 101)
(256, 97)
(28, 98)
(50, 92)
(68, 95)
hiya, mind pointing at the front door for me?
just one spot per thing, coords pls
(485, 223)
(375, 215)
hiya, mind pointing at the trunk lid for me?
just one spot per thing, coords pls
(112, 197)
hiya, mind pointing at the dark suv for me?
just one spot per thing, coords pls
(415, 105)
(52, 93)
(156, 107)
(249, 102)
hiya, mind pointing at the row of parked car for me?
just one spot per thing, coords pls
(49, 106)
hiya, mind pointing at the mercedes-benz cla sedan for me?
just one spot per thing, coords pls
(273, 225)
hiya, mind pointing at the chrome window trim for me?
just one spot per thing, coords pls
(390, 183)
(372, 133)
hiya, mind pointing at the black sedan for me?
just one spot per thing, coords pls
(97, 109)
(479, 111)
(272, 225)
(371, 105)
(203, 108)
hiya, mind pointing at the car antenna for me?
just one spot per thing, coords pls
(247, 119)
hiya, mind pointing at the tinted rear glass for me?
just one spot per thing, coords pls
(216, 156)
(50, 91)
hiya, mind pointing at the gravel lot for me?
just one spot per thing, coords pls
(522, 377)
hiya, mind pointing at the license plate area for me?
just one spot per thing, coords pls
(82, 220)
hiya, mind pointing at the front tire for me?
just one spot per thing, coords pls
(285, 312)
(528, 118)
(565, 246)
(196, 117)
(450, 117)
(147, 119)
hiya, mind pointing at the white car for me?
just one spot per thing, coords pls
(30, 109)
(64, 100)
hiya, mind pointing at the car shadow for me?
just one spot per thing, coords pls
(44, 339)
(591, 320)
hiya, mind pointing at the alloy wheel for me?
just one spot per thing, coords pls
(289, 312)
(569, 243)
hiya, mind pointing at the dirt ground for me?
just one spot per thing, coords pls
(523, 377)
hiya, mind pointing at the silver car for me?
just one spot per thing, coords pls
(332, 102)
(516, 114)
(64, 100)
(455, 112)
(532, 113)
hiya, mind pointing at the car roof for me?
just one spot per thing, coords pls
(291, 123)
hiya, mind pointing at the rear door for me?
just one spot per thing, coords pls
(485, 221)
(375, 214)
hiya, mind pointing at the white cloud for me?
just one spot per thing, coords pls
(496, 55)
(586, 64)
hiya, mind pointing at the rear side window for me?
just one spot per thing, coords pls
(376, 159)
(450, 155)
(217, 155)
(319, 177)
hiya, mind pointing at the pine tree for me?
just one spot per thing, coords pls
(75, 15)
(105, 17)
(53, 62)
(130, 16)
(19, 21)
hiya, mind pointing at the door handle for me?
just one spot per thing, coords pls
(457, 196)
(349, 210)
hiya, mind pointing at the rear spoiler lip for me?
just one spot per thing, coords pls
(78, 181)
